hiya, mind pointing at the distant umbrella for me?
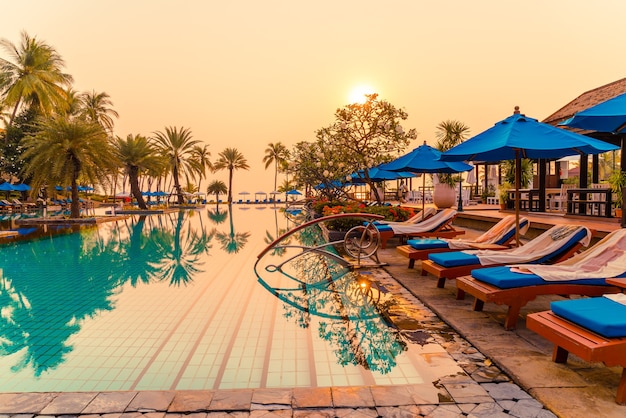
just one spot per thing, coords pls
(293, 192)
(425, 159)
(21, 187)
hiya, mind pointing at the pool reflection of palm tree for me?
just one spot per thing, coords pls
(134, 257)
(216, 216)
(179, 251)
(269, 238)
(84, 284)
(79, 275)
(232, 241)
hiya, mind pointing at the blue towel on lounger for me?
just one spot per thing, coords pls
(427, 243)
(600, 315)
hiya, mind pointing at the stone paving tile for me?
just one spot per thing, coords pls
(231, 400)
(505, 391)
(70, 403)
(356, 413)
(312, 398)
(352, 397)
(468, 392)
(391, 395)
(272, 398)
(109, 402)
(151, 401)
(488, 410)
(314, 413)
(16, 403)
(283, 413)
(527, 408)
(190, 401)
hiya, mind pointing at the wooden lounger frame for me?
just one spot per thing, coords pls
(443, 273)
(571, 338)
(445, 230)
(517, 297)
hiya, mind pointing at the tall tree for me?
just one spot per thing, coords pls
(97, 107)
(137, 155)
(178, 145)
(32, 76)
(231, 159)
(61, 150)
(201, 162)
(362, 136)
(278, 154)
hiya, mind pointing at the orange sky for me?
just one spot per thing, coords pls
(247, 73)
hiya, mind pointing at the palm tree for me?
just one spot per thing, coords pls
(201, 162)
(33, 76)
(450, 133)
(231, 159)
(217, 187)
(137, 155)
(61, 150)
(96, 107)
(178, 146)
(275, 153)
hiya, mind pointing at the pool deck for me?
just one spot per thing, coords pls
(531, 385)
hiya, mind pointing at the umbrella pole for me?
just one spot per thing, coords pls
(518, 181)
(423, 194)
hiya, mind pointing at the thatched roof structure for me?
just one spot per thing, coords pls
(586, 100)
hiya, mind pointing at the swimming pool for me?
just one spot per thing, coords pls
(172, 302)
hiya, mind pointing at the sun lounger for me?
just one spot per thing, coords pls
(437, 226)
(498, 237)
(593, 329)
(413, 220)
(582, 274)
(556, 244)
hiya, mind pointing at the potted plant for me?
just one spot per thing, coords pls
(449, 134)
(503, 194)
(617, 180)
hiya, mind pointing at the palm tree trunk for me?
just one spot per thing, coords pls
(133, 178)
(230, 185)
(75, 204)
(179, 193)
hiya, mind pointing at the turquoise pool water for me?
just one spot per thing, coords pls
(172, 301)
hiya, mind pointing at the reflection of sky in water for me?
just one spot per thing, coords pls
(172, 302)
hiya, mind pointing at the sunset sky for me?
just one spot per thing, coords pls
(246, 73)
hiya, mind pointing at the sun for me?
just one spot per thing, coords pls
(357, 94)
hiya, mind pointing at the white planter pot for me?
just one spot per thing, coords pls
(443, 196)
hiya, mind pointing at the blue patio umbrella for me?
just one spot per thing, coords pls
(519, 136)
(425, 159)
(6, 187)
(608, 116)
(21, 187)
(293, 192)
